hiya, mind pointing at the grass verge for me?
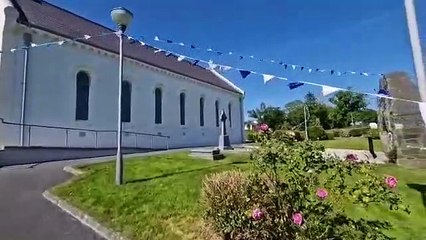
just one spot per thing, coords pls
(160, 199)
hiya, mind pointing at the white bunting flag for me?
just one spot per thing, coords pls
(294, 67)
(365, 74)
(252, 56)
(310, 70)
(13, 50)
(180, 58)
(60, 43)
(230, 53)
(327, 90)
(142, 43)
(157, 51)
(353, 72)
(182, 44)
(156, 38)
(267, 78)
(209, 50)
(225, 68)
(212, 65)
(87, 36)
(34, 45)
(272, 61)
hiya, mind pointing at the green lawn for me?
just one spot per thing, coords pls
(161, 194)
(356, 143)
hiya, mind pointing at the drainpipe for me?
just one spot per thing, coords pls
(27, 41)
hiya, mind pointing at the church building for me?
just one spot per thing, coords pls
(65, 95)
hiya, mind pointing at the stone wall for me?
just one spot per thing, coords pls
(403, 131)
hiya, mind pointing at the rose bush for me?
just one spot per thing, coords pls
(295, 191)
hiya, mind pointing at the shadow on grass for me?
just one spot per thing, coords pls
(420, 188)
(185, 171)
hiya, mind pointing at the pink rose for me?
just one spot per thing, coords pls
(297, 218)
(391, 181)
(257, 214)
(322, 193)
(351, 157)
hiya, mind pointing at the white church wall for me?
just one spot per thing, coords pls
(51, 100)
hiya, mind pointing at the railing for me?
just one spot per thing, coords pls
(30, 128)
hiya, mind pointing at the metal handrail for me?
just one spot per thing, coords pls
(96, 131)
(80, 129)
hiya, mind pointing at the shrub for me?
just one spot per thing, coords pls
(337, 133)
(345, 133)
(373, 133)
(251, 136)
(293, 192)
(285, 134)
(317, 133)
(358, 132)
(330, 135)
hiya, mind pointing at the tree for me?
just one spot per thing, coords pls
(367, 116)
(273, 116)
(294, 114)
(347, 104)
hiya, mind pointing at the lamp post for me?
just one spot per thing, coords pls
(122, 17)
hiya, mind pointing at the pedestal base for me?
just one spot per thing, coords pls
(225, 143)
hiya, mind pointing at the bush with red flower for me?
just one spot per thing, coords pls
(295, 192)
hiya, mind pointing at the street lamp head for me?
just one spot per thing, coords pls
(122, 17)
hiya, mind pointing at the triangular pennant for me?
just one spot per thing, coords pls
(225, 68)
(241, 57)
(168, 54)
(192, 46)
(212, 65)
(209, 50)
(310, 70)
(294, 67)
(244, 73)
(365, 74)
(251, 56)
(272, 61)
(180, 58)
(339, 73)
(13, 50)
(301, 69)
(327, 90)
(169, 41)
(219, 53)
(195, 62)
(332, 72)
(142, 43)
(34, 45)
(383, 92)
(294, 85)
(285, 66)
(182, 44)
(267, 78)
(156, 38)
(87, 36)
(230, 53)
(60, 43)
(157, 51)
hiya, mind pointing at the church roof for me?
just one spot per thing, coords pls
(45, 16)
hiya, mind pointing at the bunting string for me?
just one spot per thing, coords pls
(61, 42)
(273, 61)
(326, 89)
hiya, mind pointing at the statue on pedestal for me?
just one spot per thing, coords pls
(224, 142)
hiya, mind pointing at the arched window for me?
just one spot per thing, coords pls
(158, 105)
(182, 109)
(202, 112)
(126, 102)
(216, 105)
(230, 114)
(82, 96)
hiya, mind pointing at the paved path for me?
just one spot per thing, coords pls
(25, 214)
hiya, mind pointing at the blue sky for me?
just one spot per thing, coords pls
(358, 35)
